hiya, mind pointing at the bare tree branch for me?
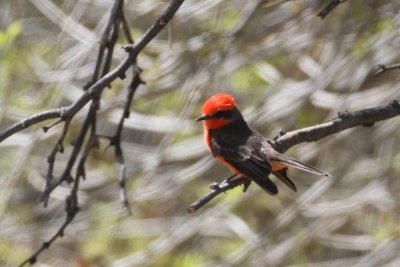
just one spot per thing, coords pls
(32, 120)
(216, 189)
(272, 3)
(109, 40)
(71, 208)
(346, 120)
(117, 72)
(115, 140)
(93, 91)
(329, 8)
(384, 68)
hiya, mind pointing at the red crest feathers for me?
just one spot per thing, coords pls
(222, 101)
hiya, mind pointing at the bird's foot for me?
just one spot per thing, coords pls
(246, 186)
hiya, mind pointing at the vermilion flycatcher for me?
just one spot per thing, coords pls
(242, 149)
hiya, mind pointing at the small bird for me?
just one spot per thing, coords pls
(242, 149)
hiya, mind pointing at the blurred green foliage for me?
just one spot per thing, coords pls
(45, 60)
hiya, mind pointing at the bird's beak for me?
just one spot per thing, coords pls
(203, 117)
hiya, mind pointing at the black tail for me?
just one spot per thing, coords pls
(301, 166)
(266, 184)
(282, 175)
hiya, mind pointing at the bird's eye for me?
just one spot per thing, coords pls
(226, 114)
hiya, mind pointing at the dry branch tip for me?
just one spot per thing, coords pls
(345, 120)
(383, 68)
(329, 8)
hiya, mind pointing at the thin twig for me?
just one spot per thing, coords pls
(271, 3)
(329, 8)
(109, 39)
(31, 120)
(66, 175)
(59, 147)
(365, 117)
(136, 81)
(115, 140)
(92, 142)
(105, 43)
(216, 189)
(384, 68)
(71, 208)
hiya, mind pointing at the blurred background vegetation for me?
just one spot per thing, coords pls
(287, 69)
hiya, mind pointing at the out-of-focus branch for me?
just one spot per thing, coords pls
(323, 13)
(329, 8)
(365, 117)
(384, 68)
(271, 3)
(248, 11)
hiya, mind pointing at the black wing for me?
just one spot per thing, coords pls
(274, 155)
(241, 148)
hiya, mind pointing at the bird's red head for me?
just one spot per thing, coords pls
(217, 111)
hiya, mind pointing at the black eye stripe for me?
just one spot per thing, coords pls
(222, 114)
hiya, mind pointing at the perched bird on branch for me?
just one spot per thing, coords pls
(242, 149)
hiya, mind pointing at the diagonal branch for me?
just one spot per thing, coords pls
(272, 3)
(329, 8)
(66, 175)
(71, 208)
(384, 68)
(216, 189)
(32, 120)
(346, 120)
